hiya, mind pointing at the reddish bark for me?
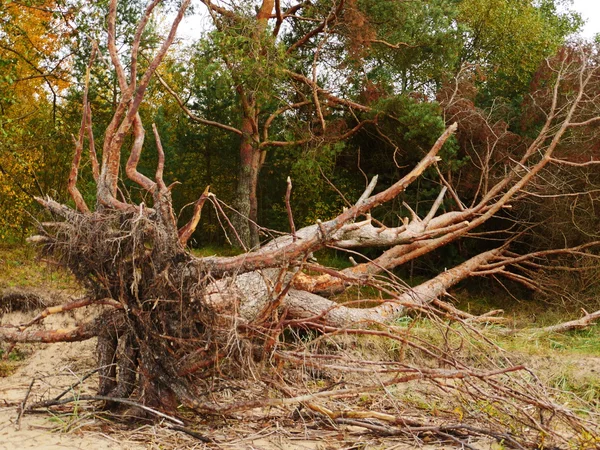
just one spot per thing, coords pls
(81, 333)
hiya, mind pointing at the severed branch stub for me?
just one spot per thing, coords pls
(185, 232)
(579, 324)
(288, 206)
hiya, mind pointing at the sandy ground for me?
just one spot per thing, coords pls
(36, 433)
(53, 368)
(56, 367)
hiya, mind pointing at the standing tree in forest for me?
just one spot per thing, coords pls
(299, 70)
(33, 75)
(172, 320)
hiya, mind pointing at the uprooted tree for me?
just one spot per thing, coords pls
(172, 319)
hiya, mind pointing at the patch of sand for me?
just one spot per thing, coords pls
(54, 367)
(36, 433)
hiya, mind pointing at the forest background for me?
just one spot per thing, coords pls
(399, 60)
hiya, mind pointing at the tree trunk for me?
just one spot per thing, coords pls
(250, 155)
(252, 293)
(246, 202)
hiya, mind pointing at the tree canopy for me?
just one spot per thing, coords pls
(303, 86)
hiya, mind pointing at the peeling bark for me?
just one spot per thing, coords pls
(248, 294)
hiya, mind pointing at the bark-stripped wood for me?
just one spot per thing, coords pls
(578, 324)
(83, 332)
(188, 229)
(178, 317)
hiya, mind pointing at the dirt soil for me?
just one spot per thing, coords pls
(53, 368)
(56, 367)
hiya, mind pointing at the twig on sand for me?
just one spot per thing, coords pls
(55, 402)
(21, 407)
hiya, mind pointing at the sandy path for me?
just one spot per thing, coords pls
(35, 433)
(54, 367)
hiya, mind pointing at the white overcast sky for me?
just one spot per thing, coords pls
(590, 11)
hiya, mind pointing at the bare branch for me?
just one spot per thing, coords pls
(220, 10)
(69, 307)
(587, 320)
(130, 101)
(288, 206)
(160, 167)
(278, 16)
(368, 191)
(83, 332)
(328, 95)
(435, 207)
(188, 229)
(112, 45)
(515, 259)
(93, 155)
(573, 164)
(72, 184)
(193, 116)
(134, 157)
(136, 42)
(585, 123)
(266, 258)
(72, 188)
(277, 113)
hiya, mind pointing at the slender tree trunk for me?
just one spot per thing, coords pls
(246, 201)
(209, 182)
(250, 155)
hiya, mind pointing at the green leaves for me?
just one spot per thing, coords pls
(418, 43)
(509, 39)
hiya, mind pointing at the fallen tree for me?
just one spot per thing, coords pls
(173, 319)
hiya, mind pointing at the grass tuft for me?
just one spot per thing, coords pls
(19, 268)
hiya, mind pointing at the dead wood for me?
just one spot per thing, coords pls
(101, 398)
(80, 303)
(83, 332)
(21, 300)
(579, 324)
(181, 326)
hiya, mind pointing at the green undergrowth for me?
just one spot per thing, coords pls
(577, 342)
(211, 250)
(529, 317)
(11, 362)
(19, 267)
(334, 258)
(568, 362)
